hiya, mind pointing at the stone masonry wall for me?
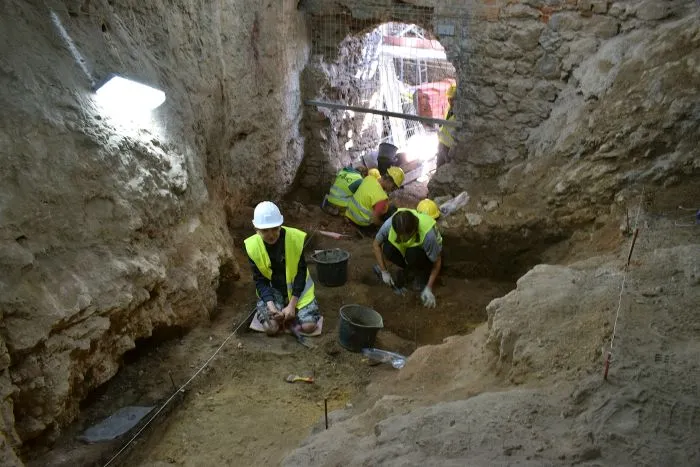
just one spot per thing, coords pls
(517, 60)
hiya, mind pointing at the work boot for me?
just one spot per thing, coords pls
(328, 208)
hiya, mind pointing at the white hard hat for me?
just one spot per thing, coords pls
(267, 215)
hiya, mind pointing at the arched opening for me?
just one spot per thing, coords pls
(382, 83)
(403, 70)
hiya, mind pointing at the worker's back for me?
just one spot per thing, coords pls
(362, 202)
(341, 190)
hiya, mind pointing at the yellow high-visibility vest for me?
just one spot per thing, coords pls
(293, 249)
(446, 135)
(361, 205)
(340, 193)
(425, 225)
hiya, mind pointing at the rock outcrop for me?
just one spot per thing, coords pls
(110, 228)
(550, 336)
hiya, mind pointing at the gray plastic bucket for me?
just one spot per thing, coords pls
(358, 327)
(331, 266)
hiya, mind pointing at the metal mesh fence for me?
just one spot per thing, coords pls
(387, 59)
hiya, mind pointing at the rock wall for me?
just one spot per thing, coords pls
(327, 131)
(453, 405)
(552, 92)
(569, 103)
(109, 229)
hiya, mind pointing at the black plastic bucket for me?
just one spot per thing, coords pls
(331, 266)
(358, 327)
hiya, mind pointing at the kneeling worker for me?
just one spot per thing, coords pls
(370, 203)
(282, 281)
(346, 183)
(410, 240)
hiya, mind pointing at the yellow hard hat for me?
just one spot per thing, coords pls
(375, 173)
(396, 174)
(451, 91)
(428, 206)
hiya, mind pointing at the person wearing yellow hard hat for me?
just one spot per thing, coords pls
(429, 207)
(370, 204)
(346, 183)
(446, 135)
(410, 240)
(374, 173)
(286, 297)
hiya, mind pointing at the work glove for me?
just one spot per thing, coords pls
(386, 278)
(427, 298)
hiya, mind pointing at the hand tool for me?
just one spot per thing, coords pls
(295, 378)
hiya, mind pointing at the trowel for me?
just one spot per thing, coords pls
(397, 290)
(302, 339)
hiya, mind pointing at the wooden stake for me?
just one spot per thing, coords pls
(634, 239)
(172, 381)
(325, 405)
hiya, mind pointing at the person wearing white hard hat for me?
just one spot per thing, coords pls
(282, 281)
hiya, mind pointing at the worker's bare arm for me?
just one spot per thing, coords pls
(435, 271)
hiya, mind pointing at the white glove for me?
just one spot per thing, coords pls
(386, 278)
(428, 298)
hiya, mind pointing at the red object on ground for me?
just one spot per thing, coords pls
(431, 99)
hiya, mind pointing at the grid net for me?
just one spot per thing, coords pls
(391, 62)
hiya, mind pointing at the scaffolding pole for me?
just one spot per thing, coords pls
(333, 105)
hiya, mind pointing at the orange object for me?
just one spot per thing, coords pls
(431, 98)
(334, 235)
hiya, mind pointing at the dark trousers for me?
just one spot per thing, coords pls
(415, 261)
(371, 230)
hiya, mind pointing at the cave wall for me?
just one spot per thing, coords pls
(566, 105)
(109, 229)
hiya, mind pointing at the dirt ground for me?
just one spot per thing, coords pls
(239, 410)
(529, 388)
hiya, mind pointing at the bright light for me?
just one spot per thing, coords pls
(126, 96)
(421, 147)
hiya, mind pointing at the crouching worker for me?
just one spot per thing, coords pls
(344, 186)
(370, 203)
(411, 241)
(285, 289)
